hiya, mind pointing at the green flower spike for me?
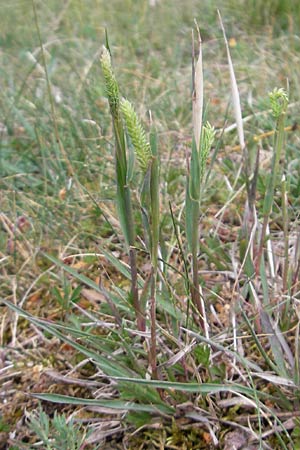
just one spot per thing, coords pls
(137, 135)
(111, 85)
(279, 101)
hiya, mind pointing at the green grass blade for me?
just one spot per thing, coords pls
(146, 208)
(79, 276)
(194, 180)
(204, 388)
(111, 404)
(119, 265)
(275, 344)
(154, 194)
(258, 344)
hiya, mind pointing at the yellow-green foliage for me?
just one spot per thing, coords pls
(208, 135)
(111, 85)
(279, 101)
(137, 135)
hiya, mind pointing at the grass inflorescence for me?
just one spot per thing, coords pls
(149, 240)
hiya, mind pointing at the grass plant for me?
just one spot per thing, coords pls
(122, 170)
(149, 253)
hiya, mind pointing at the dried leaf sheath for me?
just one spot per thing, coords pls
(234, 91)
(198, 96)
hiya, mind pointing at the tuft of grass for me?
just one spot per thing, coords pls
(167, 290)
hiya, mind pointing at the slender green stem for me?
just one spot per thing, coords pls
(285, 218)
(141, 323)
(126, 215)
(269, 196)
(154, 199)
(195, 291)
(155, 217)
(153, 345)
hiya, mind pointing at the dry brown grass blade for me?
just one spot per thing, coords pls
(197, 91)
(234, 91)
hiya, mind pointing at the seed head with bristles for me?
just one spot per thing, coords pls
(111, 85)
(137, 135)
(208, 135)
(279, 101)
